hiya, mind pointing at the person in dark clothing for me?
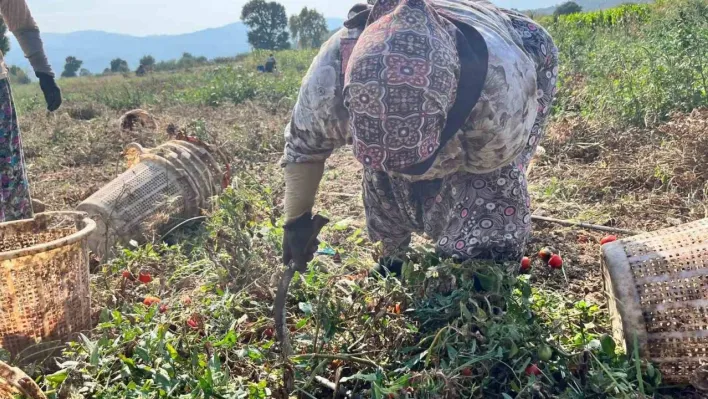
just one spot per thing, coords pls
(270, 64)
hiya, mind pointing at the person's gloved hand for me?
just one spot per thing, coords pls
(300, 238)
(387, 266)
(52, 93)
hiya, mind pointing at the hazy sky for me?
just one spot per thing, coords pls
(149, 17)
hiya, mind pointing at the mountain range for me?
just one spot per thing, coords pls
(96, 48)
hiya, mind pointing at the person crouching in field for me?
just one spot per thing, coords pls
(270, 64)
(445, 102)
(15, 200)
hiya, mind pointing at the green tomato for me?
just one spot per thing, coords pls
(545, 353)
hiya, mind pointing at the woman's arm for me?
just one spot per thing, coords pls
(20, 22)
(318, 126)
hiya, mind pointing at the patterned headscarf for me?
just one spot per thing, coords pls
(399, 85)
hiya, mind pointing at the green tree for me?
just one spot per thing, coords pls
(267, 23)
(147, 61)
(309, 28)
(569, 7)
(85, 72)
(71, 67)
(18, 76)
(4, 41)
(119, 65)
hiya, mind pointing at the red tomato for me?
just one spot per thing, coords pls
(556, 262)
(545, 254)
(145, 277)
(608, 239)
(532, 369)
(525, 264)
(150, 300)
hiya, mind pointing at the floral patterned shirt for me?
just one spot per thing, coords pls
(496, 131)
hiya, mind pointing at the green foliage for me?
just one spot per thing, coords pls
(18, 76)
(567, 8)
(119, 65)
(195, 345)
(71, 67)
(232, 80)
(309, 28)
(236, 84)
(470, 330)
(267, 24)
(186, 61)
(147, 61)
(85, 72)
(634, 64)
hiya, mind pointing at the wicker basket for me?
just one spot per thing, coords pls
(163, 187)
(14, 382)
(657, 285)
(44, 281)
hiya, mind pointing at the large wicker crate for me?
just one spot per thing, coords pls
(44, 282)
(657, 286)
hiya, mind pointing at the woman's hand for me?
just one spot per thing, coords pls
(52, 93)
(300, 239)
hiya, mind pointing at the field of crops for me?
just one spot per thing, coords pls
(627, 147)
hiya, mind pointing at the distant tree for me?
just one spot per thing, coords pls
(119, 66)
(147, 61)
(4, 41)
(85, 72)
(147, 64)
(569, 7)
(71, 67)
(18, 75)
(169, 65)
(190, 61)
(309, 28)
(267, 23)
(107, 71)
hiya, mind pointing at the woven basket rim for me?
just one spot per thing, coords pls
(89, 225)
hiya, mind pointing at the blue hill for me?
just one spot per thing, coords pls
(96, 48)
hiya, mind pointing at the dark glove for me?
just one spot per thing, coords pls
(358, 16)
(387, 266)
(300, 239)
(52, 93)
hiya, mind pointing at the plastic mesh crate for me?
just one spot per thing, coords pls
(163, 187)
